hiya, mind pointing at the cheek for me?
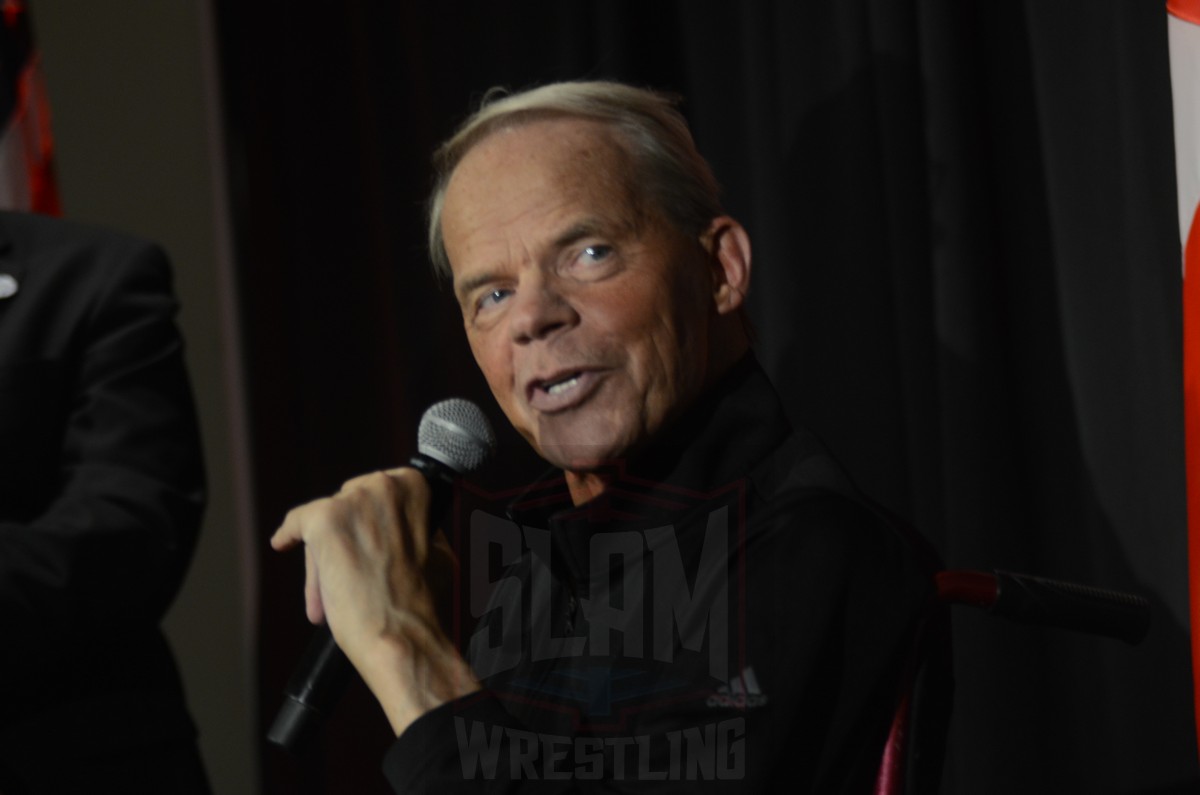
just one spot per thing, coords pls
(494, 365)
(659, 345)
(679, 339)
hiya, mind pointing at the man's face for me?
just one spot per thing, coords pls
(587, 311)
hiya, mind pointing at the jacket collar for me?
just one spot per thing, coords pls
(6, 239)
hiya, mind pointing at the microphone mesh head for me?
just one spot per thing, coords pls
(456, 433)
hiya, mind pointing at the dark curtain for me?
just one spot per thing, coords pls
(966, 280)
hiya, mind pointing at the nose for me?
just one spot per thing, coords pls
(539, 310)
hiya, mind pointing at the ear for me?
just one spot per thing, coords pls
(728, 246)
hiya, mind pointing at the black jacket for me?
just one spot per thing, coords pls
(729, 615)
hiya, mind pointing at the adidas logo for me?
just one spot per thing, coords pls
(742, 693)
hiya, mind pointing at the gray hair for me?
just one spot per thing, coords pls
(677, 180)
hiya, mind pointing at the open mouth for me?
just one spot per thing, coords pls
(561, 385)
(562, 390)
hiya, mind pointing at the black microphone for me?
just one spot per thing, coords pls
(454, 438)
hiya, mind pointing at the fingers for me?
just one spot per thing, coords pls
(365, 548)
(371, 568)
(286, 536)
(414, 506)
(292, 533)
(374, 505)
(313, 607)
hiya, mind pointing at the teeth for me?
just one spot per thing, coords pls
(562, 386)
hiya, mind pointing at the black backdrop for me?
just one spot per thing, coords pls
(966, 280)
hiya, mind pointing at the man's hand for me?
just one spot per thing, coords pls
(371, 569)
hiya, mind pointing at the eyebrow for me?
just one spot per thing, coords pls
(470, 285)
(577, 231)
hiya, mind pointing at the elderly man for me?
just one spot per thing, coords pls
(713, 605)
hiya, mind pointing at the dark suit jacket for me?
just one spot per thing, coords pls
(101, 494)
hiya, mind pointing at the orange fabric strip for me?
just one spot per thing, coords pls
(1187, 10)
(1191, 415)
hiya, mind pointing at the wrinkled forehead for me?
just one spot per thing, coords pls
(538, 168)
(559, 148)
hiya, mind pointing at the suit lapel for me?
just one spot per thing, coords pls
(11, 271)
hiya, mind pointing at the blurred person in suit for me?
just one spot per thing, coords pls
(101, 497)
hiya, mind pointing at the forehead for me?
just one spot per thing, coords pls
(558, 144)
(535, 170)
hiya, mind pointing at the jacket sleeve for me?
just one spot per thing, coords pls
(105, 552)
(466, 746)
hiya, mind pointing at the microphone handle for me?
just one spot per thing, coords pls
(320, 678)
(316, 684)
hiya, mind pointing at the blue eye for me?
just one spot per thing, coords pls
(597, 253)
(491, 298)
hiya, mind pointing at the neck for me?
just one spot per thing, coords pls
(584, 486)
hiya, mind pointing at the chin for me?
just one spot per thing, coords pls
(577, 457)
(585, 441)
(580, 456)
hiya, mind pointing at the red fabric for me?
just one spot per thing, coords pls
(1191, 402)
(891, 769)
(1188, 10)
(28, 144)
(43, 187)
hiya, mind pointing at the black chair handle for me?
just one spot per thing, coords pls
(1052, 603)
